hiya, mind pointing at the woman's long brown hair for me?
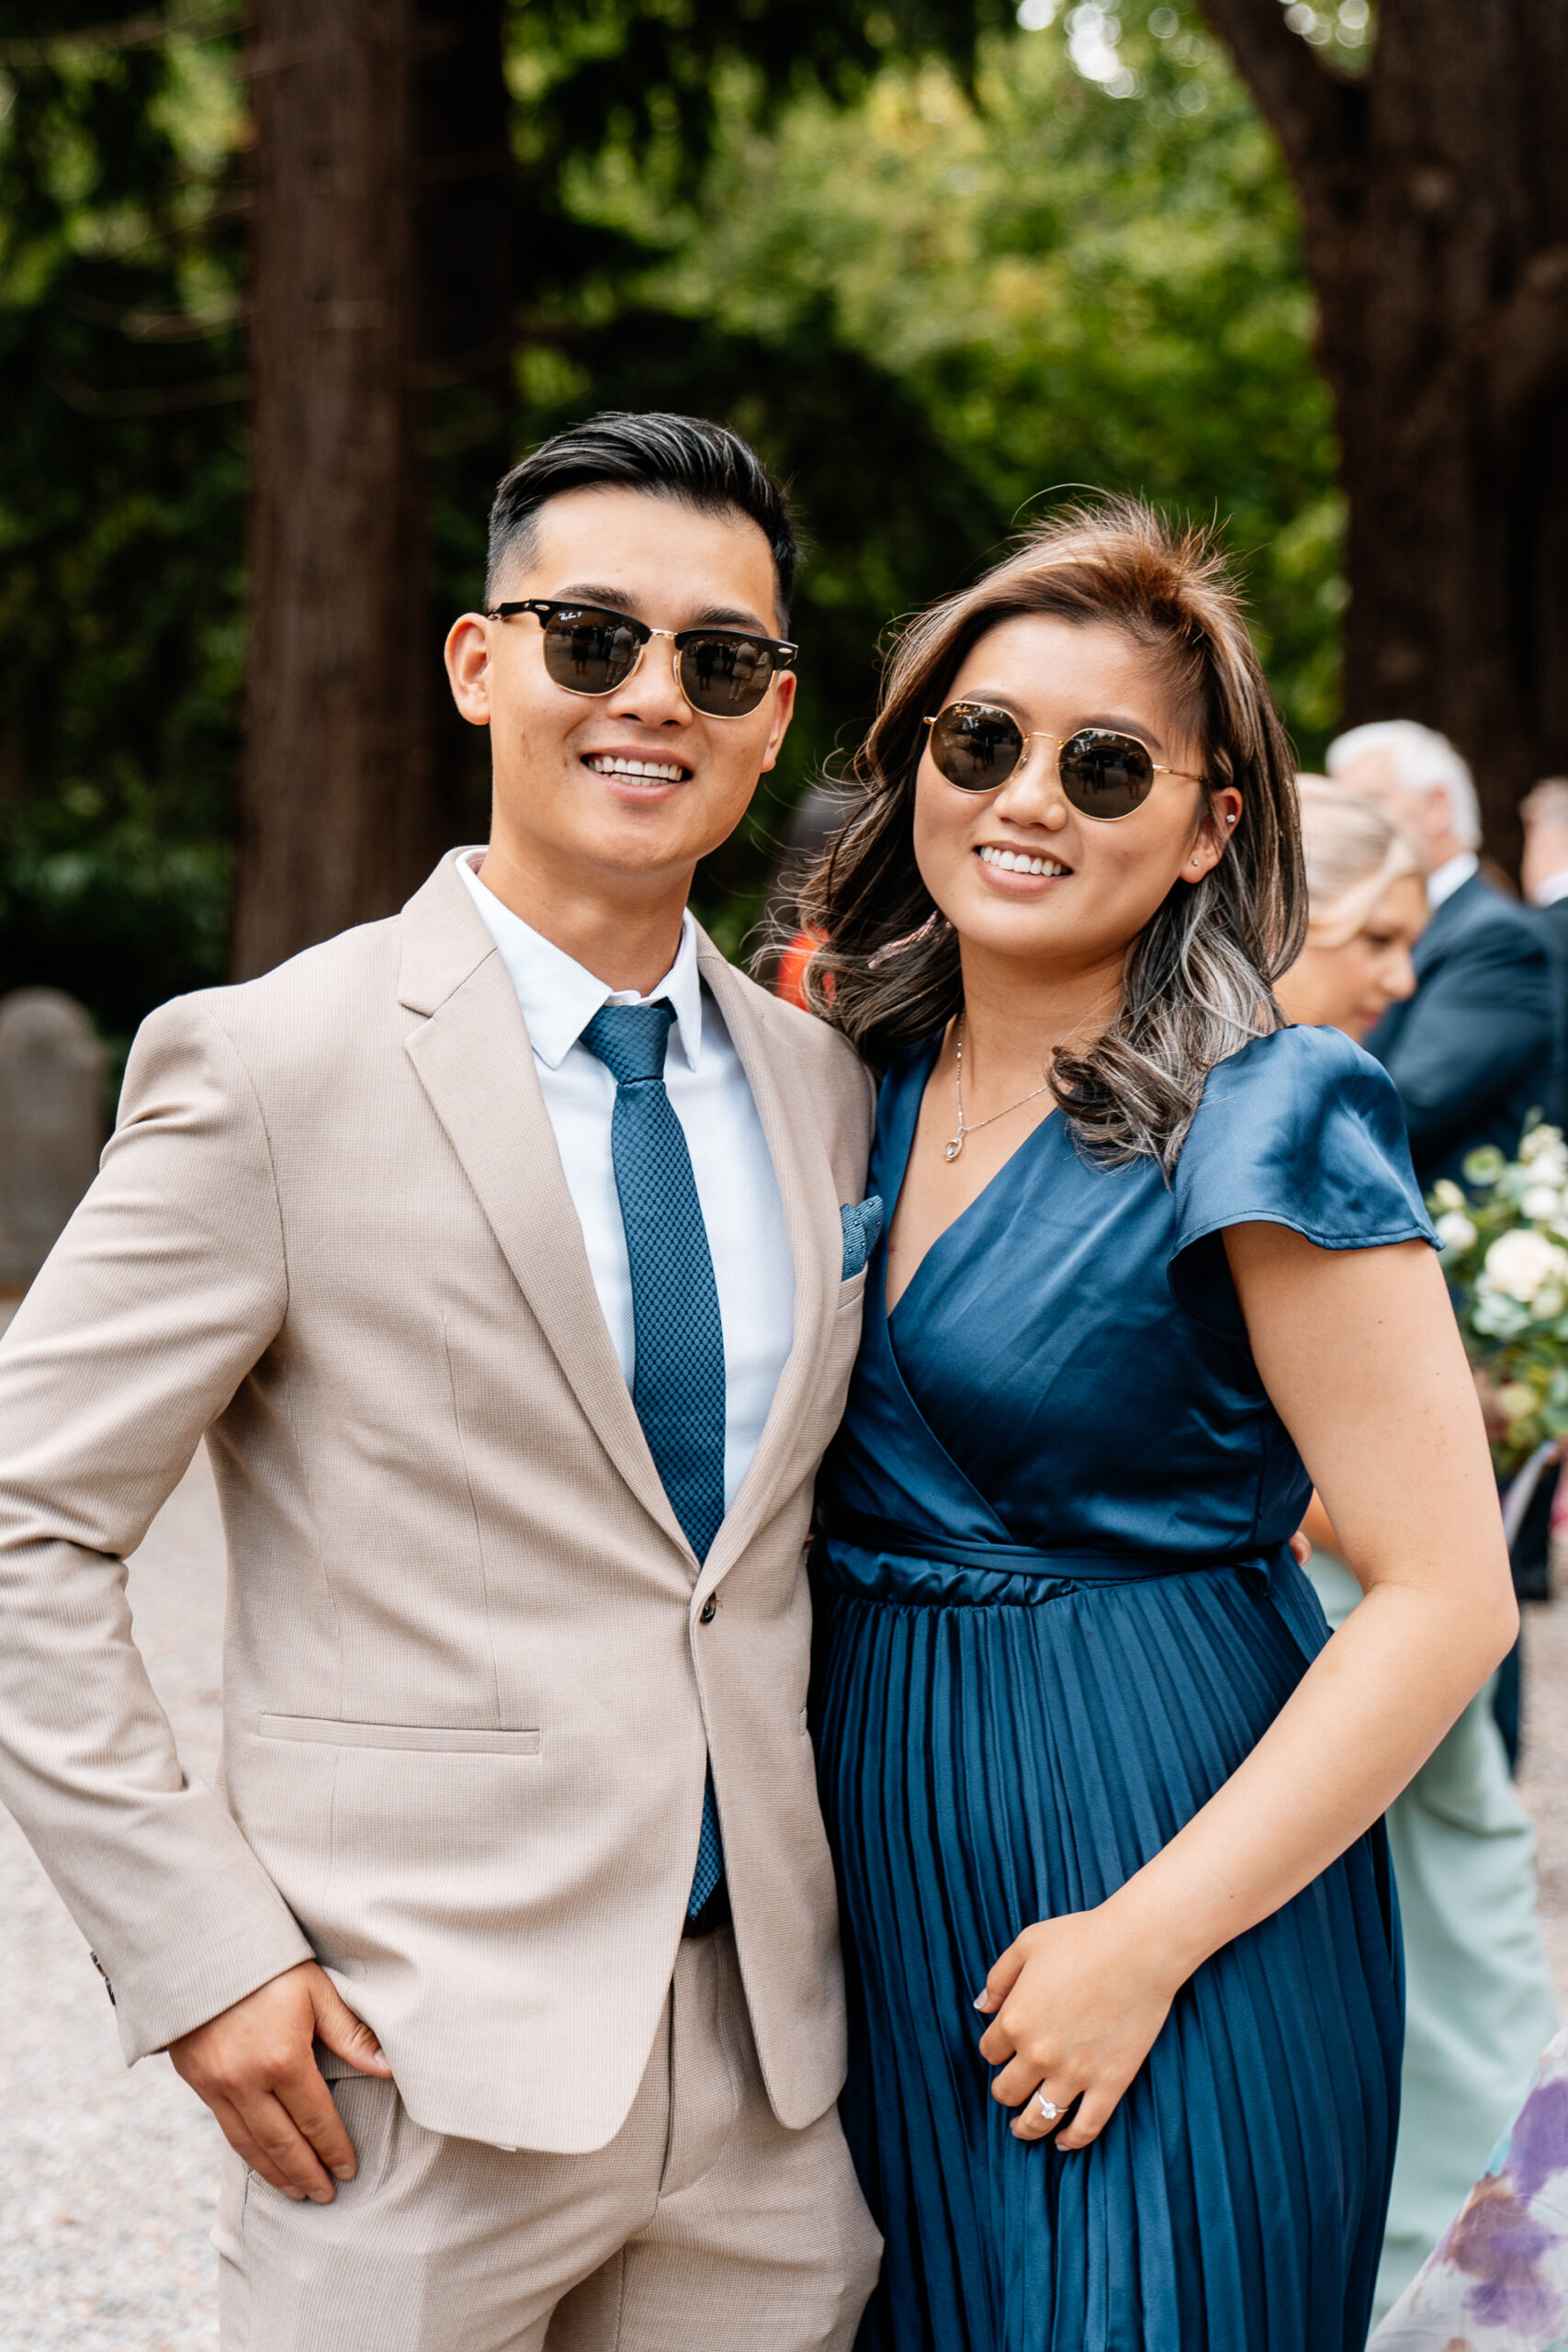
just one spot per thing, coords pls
(1198, 978)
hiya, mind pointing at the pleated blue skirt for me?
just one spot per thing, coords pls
(998, 1750)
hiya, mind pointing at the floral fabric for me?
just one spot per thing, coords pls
(1498, 2281)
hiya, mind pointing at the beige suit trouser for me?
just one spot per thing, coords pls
(705, 2226)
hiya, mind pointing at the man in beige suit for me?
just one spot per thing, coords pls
(509, 1254)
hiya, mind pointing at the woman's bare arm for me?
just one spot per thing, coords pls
(1359, 1354)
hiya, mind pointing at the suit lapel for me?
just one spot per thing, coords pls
(811, 1206)
(1447, 922)
(473, 1059)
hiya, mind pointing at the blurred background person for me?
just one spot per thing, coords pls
(1480, 1044)
(1479, 2002)
(1543, 876)
(1544, 873)
(1367, 901)
(1475, 1048)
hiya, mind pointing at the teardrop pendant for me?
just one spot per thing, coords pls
(952, 1150)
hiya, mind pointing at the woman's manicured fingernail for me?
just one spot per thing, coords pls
(984, 2002)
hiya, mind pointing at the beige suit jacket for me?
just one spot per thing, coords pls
(468, 1686)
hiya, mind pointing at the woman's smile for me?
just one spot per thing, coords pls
(1012, 869)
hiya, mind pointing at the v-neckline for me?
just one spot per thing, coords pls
(1052, 1116)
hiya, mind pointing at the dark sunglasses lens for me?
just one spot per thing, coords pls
(589, 652)
(976, 748)
(726, 677)
(1104, 775)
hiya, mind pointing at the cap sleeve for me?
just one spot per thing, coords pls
(1303, 1129)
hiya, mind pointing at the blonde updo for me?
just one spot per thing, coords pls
(1353, 852)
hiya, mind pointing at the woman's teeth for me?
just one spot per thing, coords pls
(602, 764)
(1014, 862)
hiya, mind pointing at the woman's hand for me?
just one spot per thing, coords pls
(1075, 2004)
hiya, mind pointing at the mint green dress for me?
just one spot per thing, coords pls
(1479, 2006)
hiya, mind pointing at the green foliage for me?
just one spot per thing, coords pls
(122, 493)
(936, 294)
(942, 307)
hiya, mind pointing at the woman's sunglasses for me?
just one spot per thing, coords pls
(978, 747)
(590, 649)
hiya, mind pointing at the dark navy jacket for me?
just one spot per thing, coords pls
(1479, 1045)
(1554, 921)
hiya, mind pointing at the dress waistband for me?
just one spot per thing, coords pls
(942, 1570)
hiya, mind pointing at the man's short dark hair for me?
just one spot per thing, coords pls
(702, 464)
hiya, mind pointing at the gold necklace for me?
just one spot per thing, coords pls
(952, 1150)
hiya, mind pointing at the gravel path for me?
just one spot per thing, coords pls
(106, 2177)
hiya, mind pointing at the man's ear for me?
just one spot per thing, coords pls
(784, 711)
(468, 666)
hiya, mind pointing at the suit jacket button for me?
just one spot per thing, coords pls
(709, 1611)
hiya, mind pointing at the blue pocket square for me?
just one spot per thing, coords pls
(863, 1230)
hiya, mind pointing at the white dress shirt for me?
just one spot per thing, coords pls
(1554, 888)
(712, 1097)
(1451, 876)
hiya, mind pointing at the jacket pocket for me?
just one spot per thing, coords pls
(324, 1731)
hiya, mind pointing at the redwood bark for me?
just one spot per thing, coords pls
(1434, 193)
(365, 296)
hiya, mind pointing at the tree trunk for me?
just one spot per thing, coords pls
(465, 252)
(1435, 200)
(366, 296)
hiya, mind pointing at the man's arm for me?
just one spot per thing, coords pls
(1484, 1020)
(167, 1285)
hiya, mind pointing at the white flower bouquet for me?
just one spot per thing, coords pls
(1505, 1255)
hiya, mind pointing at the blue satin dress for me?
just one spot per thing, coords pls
(1055, 1608)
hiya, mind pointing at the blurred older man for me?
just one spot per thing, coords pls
(1477, 1048)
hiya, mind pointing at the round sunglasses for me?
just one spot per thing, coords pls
(590, 649)
(1104, 775)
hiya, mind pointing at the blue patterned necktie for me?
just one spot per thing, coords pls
(678, 1383)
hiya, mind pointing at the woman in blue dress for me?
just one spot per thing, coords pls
(1090, 1762)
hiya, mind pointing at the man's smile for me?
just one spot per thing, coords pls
(636, 764)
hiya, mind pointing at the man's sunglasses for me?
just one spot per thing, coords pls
(978, 747)
(590, 649)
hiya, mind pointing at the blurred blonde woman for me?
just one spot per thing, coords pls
(1366, 909)
(1479, 2002)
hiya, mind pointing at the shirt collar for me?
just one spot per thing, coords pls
(1450, 876)
(560, 998)
(1553, 890)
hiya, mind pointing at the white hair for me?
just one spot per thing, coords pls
(1422, 760)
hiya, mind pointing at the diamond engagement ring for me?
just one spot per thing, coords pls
(1048, 2106)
